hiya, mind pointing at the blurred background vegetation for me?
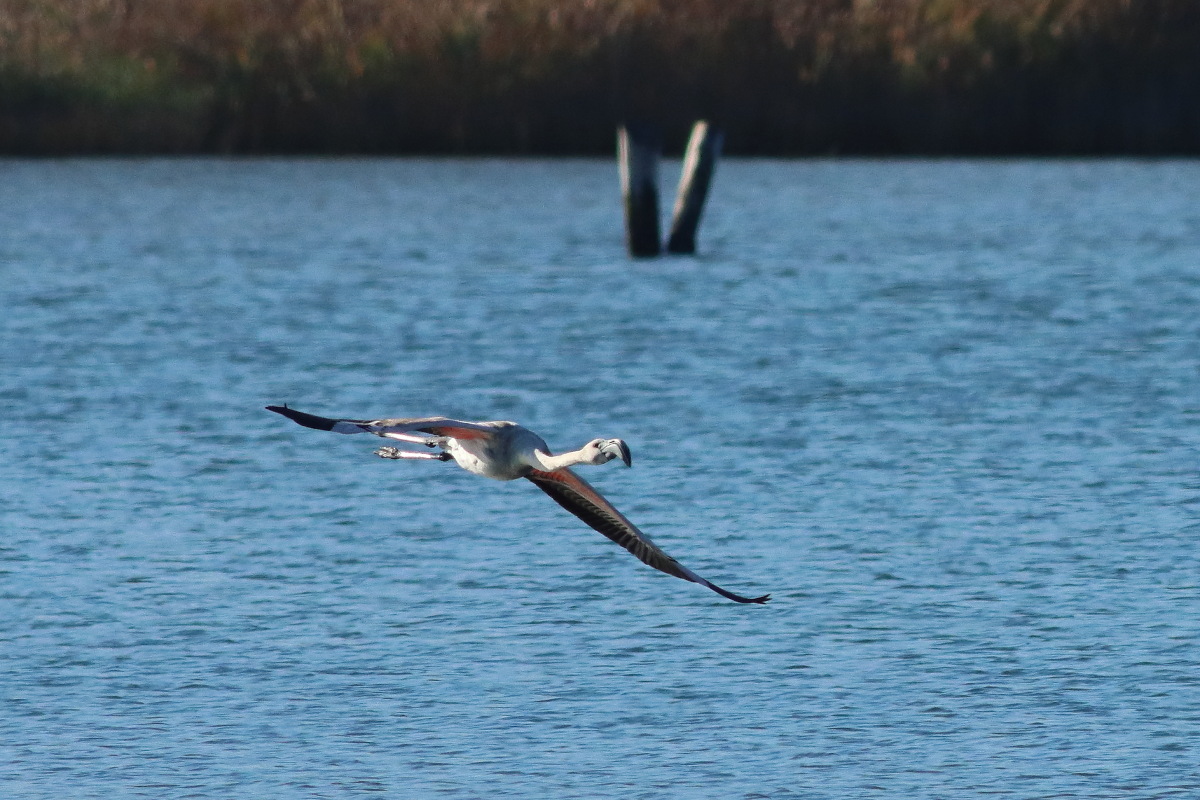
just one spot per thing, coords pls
(554, 77)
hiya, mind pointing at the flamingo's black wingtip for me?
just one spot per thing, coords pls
(737, 598)
(307, 420)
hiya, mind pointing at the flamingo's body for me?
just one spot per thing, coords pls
(506, 451)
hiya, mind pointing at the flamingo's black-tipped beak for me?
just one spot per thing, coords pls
(616, 448)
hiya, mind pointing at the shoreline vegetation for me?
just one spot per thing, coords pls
(540, 77)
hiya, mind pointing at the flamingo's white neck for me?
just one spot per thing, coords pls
(548, 463)
(595, 452)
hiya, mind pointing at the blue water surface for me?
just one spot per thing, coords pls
(947, 413)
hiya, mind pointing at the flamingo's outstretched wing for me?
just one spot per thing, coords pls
(390, 428)
(577, 496)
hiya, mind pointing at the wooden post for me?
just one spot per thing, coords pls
(703, 148)
(637, 154)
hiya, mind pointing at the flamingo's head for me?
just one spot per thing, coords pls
(601, 451)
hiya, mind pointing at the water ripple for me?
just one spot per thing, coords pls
(945, 412)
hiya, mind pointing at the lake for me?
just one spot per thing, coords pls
(946, 412)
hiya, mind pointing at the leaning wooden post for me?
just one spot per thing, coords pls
(637, 154)
(703, 148)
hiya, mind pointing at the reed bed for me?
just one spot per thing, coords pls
(782, 77)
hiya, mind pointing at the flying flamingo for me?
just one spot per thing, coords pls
(506, 451)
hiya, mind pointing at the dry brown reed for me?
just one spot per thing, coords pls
(538, 76)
